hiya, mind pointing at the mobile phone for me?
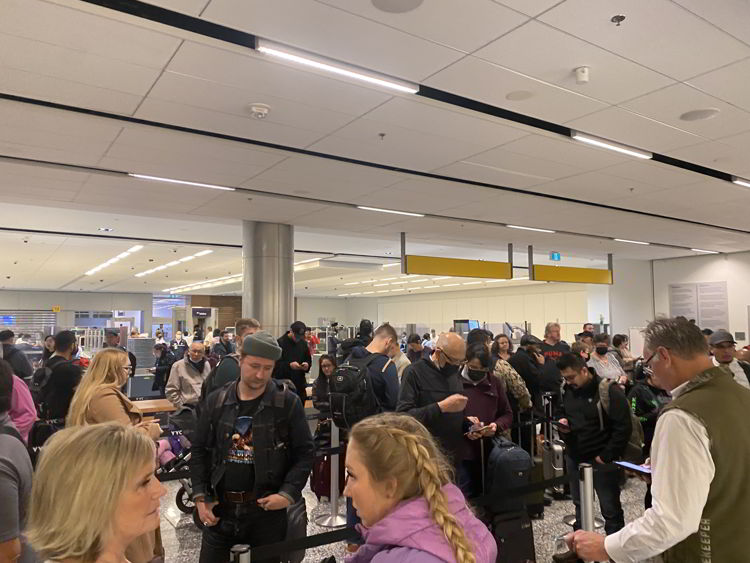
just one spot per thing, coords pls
(643, 469)
(475, 428)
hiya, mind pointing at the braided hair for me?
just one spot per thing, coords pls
(398, 446)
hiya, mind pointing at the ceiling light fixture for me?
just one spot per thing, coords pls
(388, 279)
(380, 284)
(334, 67)
(529, 229)
(419, 281)
(394, 212)
(632, 241)
(206, 283)
(121, 256)
(182, 182)
(472, 283)
(367, 292)
(430, 287)
(735, 180)
(704, 251)
(343, 295)
(352, 283)
(391, 265)
(610, 145)
(175, 263)
(383, 291)
(105, 229)
(306, 261)
(451, 284)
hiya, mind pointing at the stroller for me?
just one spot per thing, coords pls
(174, 454)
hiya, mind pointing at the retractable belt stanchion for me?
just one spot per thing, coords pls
(586, 483)
(240, 553)
(334, 519)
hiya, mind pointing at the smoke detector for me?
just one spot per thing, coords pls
(582, 75)
(259, 111)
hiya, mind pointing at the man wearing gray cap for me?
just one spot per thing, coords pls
(251, 456)
(112, 340)
(723, 348)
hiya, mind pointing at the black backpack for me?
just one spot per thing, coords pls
(351, 395)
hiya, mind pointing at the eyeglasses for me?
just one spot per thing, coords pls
(652, 356)
(453, 361)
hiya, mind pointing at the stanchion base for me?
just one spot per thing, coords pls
(570, 520)
(331, 521)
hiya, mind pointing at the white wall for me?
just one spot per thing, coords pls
(70, 302)
(732, 268)
(631, 297)
(346, 311)
(597, 303)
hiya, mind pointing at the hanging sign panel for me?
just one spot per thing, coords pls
(434, 266)
(572, 275)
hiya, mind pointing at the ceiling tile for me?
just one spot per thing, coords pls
(691, 46)
(108, 38)
(191, 7)
(595, 186)
(715, 154)
(669, 104)
(330, 32)
(626, 127)
(653, 173)
(497, 174)
(466, 29)
(730, 15)
(262, 77)
(730, 83)
(547, 102)
(529, 165)
(256, 208)
(530, 7)
(564, 150)
(548, 54)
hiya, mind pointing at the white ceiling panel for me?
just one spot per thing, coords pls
(730, 83)
(108, 38)
(548, 54)
(256, 208)
(632, 129)
(653, 173)
(336, 34)
(261, 77)
(478, 79)
(669, 104)
(595, 186)
(714, 154)
(355, 220)
(495, 173)
(730, 15)
(190, 7)
(557, 148)
(226, 123)
(658, 34)
(530, 7)
(465, 29)
(538, 169)
(706, 192)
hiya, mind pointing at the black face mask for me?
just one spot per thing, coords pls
(198, 365)
(602, 350)
(476, 375)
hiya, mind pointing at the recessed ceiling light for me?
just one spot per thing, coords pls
(451, 284)
(397, 6)
(472, 283)
(700, 114)
(704, 251)
(391, 265)
(352, 283)
(106, 229)
(518, 95)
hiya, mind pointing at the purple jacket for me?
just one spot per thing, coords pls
(488, 401)
(408, 534)
(22, 409)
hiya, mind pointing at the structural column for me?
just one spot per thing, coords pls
(268, 274)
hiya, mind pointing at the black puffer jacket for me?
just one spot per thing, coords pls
(162, 367)
(281, 438)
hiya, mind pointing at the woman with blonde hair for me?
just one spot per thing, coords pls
(401, 486)
(98, 399)
(93, 519)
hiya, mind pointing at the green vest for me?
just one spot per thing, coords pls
(722, 405)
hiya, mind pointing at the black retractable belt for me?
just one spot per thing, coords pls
(275, 549)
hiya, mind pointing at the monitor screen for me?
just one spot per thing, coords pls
(473, 325)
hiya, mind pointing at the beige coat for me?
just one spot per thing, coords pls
(111, 405)
(184, 384)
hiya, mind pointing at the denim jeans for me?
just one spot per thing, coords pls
(607, 487)
(246, 524)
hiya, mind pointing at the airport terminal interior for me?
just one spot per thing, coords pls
(168, 167)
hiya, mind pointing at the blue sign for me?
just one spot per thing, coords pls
(554, 256)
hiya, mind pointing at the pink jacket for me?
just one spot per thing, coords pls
(22, 409)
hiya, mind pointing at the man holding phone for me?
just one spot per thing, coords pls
(594, 435)
(295, 359)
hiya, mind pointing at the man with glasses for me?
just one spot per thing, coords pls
(699, 460)
(723, 348)
(432, 392)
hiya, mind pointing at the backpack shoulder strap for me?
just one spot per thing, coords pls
(280, 412)
(602, 404)
(10, 431)
(216, 411)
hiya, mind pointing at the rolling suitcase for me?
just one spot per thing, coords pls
(553, 451)
(514, 535)
(535, 499)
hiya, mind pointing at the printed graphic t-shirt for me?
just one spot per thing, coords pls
(240, 459)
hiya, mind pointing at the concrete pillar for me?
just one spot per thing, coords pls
(268, 274)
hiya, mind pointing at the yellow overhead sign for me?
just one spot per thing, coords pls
(573, 275)
(56, 308)
(434, 266)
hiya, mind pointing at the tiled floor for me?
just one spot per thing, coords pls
(182, 539)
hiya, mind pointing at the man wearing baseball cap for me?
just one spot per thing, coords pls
(251, 456)
(723, 348)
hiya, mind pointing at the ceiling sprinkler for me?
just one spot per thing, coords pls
(259, 111)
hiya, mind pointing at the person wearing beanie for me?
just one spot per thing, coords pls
(295, 359)
(251, 456)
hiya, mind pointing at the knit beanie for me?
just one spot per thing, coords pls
(262, 345)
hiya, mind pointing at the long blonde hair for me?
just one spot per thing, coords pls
(396, 446)
(105, 371)
(82, 473)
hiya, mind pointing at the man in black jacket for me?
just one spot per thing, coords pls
(251, 456)
(224, 346)
(528, 361)
(594, 435)
(14, 356)
(295, 359)
(432, 392)
(112, 340)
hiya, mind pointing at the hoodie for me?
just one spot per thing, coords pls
(408, 534)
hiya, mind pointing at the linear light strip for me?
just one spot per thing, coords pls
(319, 63)
(182, 182)
(611, 145)
(227, 279)
(632, 241)
(393, 211)
(704, 251)
(529, 229)
(741, 182)
(121, 256)
(173, 263)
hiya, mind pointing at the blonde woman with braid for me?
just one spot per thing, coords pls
(400, 484)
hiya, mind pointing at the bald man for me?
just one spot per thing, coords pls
(432, 392)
